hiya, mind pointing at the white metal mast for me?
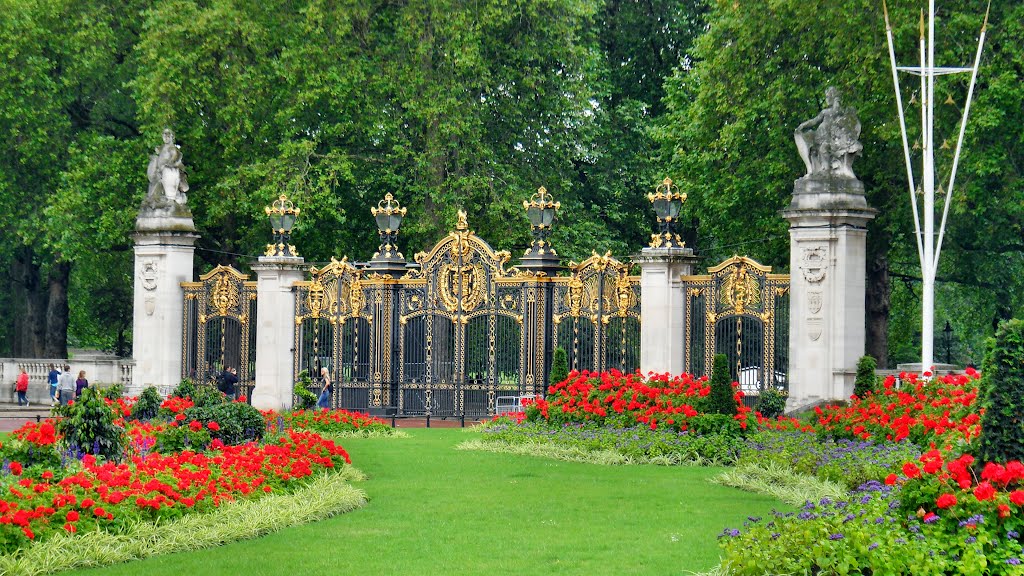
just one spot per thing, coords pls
(928, 246)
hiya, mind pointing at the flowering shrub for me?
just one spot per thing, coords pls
(940, 410)
(328, 421)
(627, 400)
(111, 495)
(869, 534)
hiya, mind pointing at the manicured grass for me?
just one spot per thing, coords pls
(437, 510)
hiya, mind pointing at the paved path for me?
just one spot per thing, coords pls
(13, 416)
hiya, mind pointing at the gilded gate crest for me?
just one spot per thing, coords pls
(465, 284)
(740, 291)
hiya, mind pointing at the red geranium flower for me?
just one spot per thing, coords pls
(910, 470)
(213, 426)
(984, 491)
(945, 501)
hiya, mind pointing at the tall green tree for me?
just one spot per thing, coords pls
(61, 84)
(762, 67)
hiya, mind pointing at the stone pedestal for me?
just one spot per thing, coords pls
(163, 260)
(275, 330)
(828, 218)
(663, 304)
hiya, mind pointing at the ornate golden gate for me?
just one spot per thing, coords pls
(220, 310)
(460, 329)
(596, 315)
(739, 309)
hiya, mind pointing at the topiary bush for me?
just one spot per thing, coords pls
(559, 367)
(1002, 424)
(865, 381)
(237, 422)
(305, 396)
(88, 426)
(722, 399)
(147, 405)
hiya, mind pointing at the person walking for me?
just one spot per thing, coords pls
(21, 387)
(52, 379)
(324, 401)
(80, 384)
(66, 386)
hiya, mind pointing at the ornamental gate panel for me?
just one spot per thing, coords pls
(596, 315)
(220, 310)
(460, 329)
(739, 309)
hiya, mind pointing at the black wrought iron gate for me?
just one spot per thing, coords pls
(460, 329)
(220, 310)
(741, 310)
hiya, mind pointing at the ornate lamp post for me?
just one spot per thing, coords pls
(541, 210)
(668, 202)
(282, 218)
(388, 214)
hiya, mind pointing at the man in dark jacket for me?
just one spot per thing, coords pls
(228, 380)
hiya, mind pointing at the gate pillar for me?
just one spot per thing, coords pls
(662, 305)
(164, 248)
(828, 241)
(163, 260)
(275, 330)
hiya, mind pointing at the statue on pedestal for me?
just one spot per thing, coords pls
(166, 172)
(828, 143)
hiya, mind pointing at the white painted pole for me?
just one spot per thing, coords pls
(959, 143)
(903, 133)
(927, 271)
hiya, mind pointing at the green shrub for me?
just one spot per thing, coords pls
(722, 399)
(559, 367)
(238, 422)
(208, 395)
(772, 402)
(177, 438)
(88, 426)
(147, 405)
(112, 392)
(714, 424)
(305, 396)
(1003, 396)
(185, 389)
(865, 381)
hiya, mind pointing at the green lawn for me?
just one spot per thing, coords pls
(436, 510)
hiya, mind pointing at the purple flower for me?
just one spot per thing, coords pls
(836, 536)
(970, 540)
(873, 546)
(1013, 561)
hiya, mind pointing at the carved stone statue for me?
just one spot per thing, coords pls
(828, 143)
(166, 172)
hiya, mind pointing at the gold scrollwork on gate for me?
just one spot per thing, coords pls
(462, 286)
(740, 290)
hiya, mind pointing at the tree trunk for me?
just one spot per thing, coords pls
(877, 307)
(29, 305)
(56, 340)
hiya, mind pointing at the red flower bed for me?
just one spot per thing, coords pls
(626, 400)
(327, 421)
(152, 485)
(924, 410)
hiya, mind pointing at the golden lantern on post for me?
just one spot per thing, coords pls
(668, 203)
(282, 214)
(389, 214)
